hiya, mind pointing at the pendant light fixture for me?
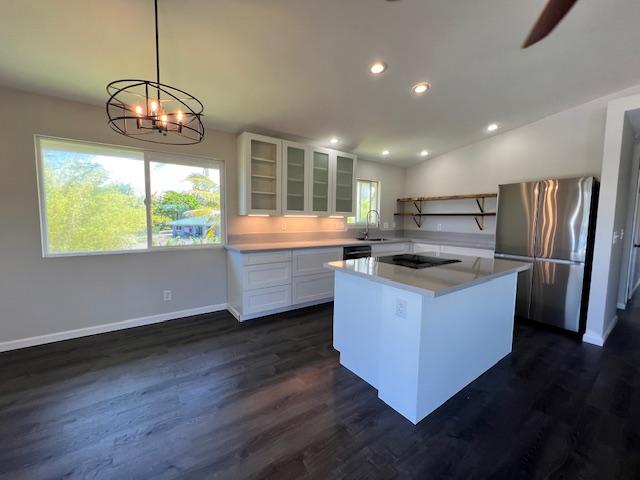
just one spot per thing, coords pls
(154, 112)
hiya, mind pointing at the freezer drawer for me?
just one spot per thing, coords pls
(525, 279)
(556, 293)
(523, 295)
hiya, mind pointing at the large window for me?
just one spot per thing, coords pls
(367, 198)
(97, 199)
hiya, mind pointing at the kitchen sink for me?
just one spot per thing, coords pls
(378, 239)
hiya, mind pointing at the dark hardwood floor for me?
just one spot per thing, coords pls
(205, 397)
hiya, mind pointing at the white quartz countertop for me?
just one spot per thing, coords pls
(336, 242)
(433, 281)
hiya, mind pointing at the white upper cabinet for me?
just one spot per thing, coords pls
(278, 177)
(259, 174)
(321, 181)
(344, 197)
(296, 177)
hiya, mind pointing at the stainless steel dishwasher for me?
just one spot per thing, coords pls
(358, 251)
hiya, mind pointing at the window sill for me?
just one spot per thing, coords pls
(142, 250)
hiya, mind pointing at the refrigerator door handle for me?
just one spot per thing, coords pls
(560, 261)
(506, 256)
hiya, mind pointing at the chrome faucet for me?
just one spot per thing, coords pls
(366, 228)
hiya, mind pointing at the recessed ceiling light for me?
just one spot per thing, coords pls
(424, 153)
(385, 152)
(334, 140)
(420, 88)
(377, 68)
(493, 127)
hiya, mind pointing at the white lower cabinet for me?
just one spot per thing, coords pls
(470, 252)
(310, 288)
(263, 283)
(390, 248)
(310, 261)
(265, 299)
(426, 247)
(266, 275)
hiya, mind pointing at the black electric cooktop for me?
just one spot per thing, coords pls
(416, 261)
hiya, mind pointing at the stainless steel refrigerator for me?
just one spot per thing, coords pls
(551, 224)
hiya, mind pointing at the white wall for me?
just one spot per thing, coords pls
(39, 295)
(612, 218)
(627, 188)
(569, 143)
(566, 144)
(42, 296)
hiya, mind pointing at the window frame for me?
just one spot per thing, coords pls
(187, 159)
(356, 224)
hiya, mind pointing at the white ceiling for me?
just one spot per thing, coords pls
(300, 66)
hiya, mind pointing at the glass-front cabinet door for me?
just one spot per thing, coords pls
(295, 178)
(344, 196)
(320, 177)
(260, 174)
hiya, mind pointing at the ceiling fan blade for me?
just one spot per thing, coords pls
(553, 13)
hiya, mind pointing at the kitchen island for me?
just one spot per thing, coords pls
(421, 335)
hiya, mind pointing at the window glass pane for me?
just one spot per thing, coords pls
(185, 205)
(366, 200)
(93, 197)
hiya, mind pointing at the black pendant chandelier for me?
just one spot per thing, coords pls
(154, 112)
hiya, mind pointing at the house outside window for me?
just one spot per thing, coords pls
(367, 198)
(98, 198)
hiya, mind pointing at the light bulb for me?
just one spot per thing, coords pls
(154, 106)
(138, 109)
(179, 116)
(164, 119)
(420, 88)
(377, 68)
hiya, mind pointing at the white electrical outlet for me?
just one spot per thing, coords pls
(385, 225)
(283, 226)
(401, 308)
(439, 227)
(167, 295)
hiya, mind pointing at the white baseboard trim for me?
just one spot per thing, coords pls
(597, 339)
(108, 327)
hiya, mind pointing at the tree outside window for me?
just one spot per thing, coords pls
(367, 198)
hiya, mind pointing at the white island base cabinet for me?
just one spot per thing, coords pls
(419, 350)
(264, 283)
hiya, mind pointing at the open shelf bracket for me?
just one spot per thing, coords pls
(478, 218)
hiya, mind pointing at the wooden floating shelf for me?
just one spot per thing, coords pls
(481, 214)
(477, 216)
(471, 196)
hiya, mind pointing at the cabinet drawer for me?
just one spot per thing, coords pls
(265, 299)
(309, 288)
(306, 262)
(471, 252)
(260, 258)
(426, 247)
(268, 275)
(390, 248)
